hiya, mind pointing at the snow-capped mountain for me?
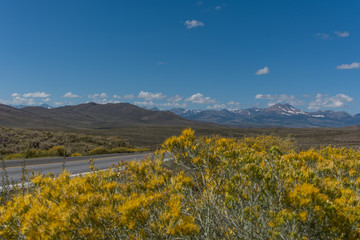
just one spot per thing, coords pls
(184, 112)
(285, 109)
(278, 115)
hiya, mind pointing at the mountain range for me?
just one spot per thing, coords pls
(279, 115)
(117, 115)
(88, 116)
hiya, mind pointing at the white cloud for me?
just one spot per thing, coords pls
(262, 71)
(105, 100)
(112, 101)
(36, 95)
(3, 101)
(199, 98)
(101, 98)
(262, 96)
(217, 106)
(103, 95)
(283, 98)
(217, 8)
(98, 95)
(349, 66)
(169, 104)
(323, 35)
(331, 36)
(28, 98)
(232, 103)
(145, 103)
(176, 98)
(325, 101)
(193, 24)
(71, 95)
(148, 96)
(58, 103)
(161, 63)
(129, 96)
(342, 34)
(173, 104)
(18, 100)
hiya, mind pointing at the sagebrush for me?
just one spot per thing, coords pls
(214, 188)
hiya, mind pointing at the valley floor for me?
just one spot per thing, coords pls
(305, 137)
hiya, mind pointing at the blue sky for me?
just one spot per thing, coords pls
(191, 54)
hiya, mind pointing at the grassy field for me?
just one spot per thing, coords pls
(13, 140)
(305, 137)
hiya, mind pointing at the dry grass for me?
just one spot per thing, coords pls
(153, 136)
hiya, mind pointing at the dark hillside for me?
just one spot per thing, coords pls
(89, 116)
(13, 117)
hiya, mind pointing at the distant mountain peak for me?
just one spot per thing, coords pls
(284, 109)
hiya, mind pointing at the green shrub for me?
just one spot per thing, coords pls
(32, 153)
(98, 151)
(5, 151)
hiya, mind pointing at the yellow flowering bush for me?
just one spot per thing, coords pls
(143, 201)
(14, 156)
(261, 188)
(56, 151)
(76, 154)
(36, 153)
(98, 151)
(128, 150)
(214, 188)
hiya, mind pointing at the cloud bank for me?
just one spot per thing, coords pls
(200, 99)
(70, 95)
(324, 101)
(283, 98)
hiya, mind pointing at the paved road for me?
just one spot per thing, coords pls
(72, 164)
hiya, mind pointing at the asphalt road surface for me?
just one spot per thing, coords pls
(74, 165)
